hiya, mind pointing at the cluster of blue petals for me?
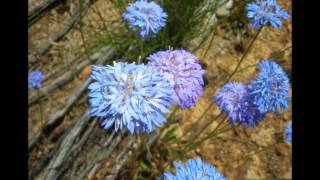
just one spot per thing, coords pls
(266, 12)
(193, 169)
(146, 17)
(129, 96)
(35, 78)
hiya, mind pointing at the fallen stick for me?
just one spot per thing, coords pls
(57, 118)
(104, 54)
(66, 27)
(35, 13)
(68, 147)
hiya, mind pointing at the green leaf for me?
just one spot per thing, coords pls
(144, 166)
(170, 135)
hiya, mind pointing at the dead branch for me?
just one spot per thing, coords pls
(66, 27)
(94, 164)
(213, 11)
(35, 13)
(102, 56)
(57, 118)
(71, 143)
(123, 157)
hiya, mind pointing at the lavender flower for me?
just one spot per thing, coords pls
(266, 12)
(288, 131)
(193, 169)
(183, 71)
(270, 88)
(129, 96)
(35, 78)
(147, 17)
(235, 100)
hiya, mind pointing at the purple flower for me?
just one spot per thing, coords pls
(183, 71)
(235, 100)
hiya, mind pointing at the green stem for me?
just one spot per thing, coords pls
(141, 52)
(189, 147)
(205, 127)
(245, 54)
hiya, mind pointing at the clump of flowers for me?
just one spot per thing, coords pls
(183, 71)
(270, 88)
(194, 169)
(35, 78)
(129, 96)
(266, 12)
(288, 133)
(235, 100)
(146, 17)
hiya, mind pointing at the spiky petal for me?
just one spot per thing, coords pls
(235, 100)
(183, 71)
(129, 96)
(193, 169)
(266, 12)
(271, 87)
(146, 17)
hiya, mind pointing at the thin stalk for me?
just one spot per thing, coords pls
(40, 110)
(206, 126)
(188, 146)
(236, 69)
(245, 54)
(270, 57)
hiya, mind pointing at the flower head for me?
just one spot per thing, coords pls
(288, 135)
(266, 12)
(194, 169)
(147, 17)
(183, 71)
(35, 78)
(129, 96)
(235, 100)
(270, 88)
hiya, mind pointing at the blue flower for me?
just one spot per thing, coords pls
(129, 96)
(183, 71)
(270, 88)
(288, 135)
(146, 17)
(35, 78)
(194, 169)
(266, 12)
(235, 100)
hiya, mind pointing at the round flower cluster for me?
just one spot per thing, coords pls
(129, 96)
(183, 71)
(193, 169)
(266, 12)
(271, 87)
(247, 104)
(146, 17)
(35, 78)
(235, 100)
